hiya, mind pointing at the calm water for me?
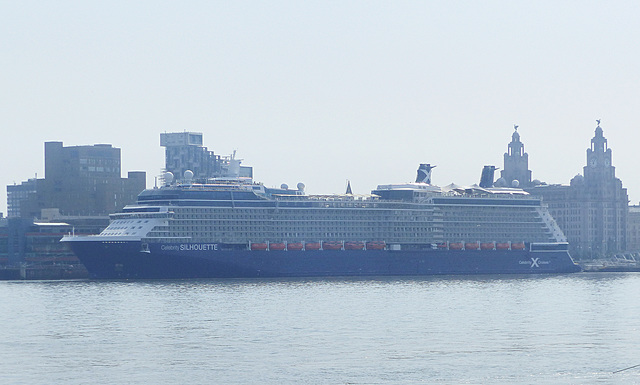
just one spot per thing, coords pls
(537, 330)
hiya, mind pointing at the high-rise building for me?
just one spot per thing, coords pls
(20, 198)
(79, 181)
(184, 151)
(591, 211)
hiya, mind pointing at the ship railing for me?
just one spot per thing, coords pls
(163, 215)
(453, 193)
(329, 198)
(166, 239)
(429, 199)
(220, 184)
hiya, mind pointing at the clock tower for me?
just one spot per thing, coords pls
(516, 171)
(598, 170)
(592, 210)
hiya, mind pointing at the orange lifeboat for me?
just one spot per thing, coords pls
(455, 245)
(376, 245)
(353, 245)
(295, 246)
(277, 246)
(471, 246)
(332, 245)
(517, 246)
(502, 246)
(259, 246)
(441, 246)
(312, 246)
(487, 246)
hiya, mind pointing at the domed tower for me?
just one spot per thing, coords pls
(604, 200)
(599, 170)
(516, 163)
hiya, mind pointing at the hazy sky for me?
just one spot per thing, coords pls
(324, 92)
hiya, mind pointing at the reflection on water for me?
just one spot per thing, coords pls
(576, 328)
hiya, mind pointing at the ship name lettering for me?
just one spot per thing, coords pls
(198, 247)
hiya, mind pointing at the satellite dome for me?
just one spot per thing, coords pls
(500, 183)
(188, 175)
(300, 186)
(284, 186)
(515, 183)
(168, 177)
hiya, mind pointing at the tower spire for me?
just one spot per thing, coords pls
(516, 163)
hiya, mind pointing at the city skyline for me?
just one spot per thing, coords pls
(324, 93)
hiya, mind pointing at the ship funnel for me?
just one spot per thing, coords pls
(234, 167)
(424, 173)
(486, 179)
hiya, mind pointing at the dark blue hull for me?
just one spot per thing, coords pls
(107, 260)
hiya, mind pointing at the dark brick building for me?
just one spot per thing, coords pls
(79, 180)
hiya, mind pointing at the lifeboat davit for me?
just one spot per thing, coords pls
(276, 246)
(332, 245)
(517, 246)
(376, 245)
(471, 246)
(259, 246)
(295, 246)
(312, 246)
(455, 245)
(487, 246)
(354, 245)
(502, 246)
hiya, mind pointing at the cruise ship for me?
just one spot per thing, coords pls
(237, 228)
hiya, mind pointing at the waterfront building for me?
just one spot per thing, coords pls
(184, 152)
(4, 242)
(592, 209)
(79, 181)
(633, 229)
(516, 171)
(35, 247)
(20, 197)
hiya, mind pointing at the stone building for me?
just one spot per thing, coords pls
(592, 210)
(633, 229)
(516, 171)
